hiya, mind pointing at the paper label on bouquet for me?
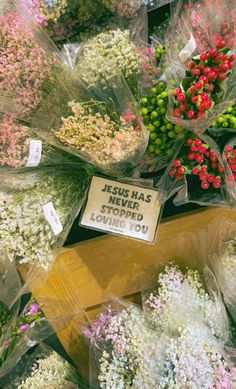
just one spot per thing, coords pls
(189, 49)
(52, 217)
(35, 152)
(122, 209)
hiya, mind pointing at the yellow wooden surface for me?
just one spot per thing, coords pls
(84, 275)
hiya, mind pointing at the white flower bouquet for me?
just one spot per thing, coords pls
(37, 210)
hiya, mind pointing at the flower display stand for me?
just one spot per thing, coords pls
(85, 274)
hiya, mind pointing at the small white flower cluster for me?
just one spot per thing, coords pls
(105, 56)
(134, 346)
(25, 234)
(143, 351)
(101, 140)
(182, 298)
(50, 372)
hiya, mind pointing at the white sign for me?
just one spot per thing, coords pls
(35, 152)
(122, 209)
(52, 217)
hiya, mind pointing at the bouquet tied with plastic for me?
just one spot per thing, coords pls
(44, 366)
(37, 211)
(201, 63)
(122, 344)
(174, 341)
(222, 259)
(101, 127)
(21, 147)
(26, 69)
(22, 326)
(199, 173)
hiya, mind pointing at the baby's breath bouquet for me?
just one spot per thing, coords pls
(26, 69)
(177, 341)
(20, 147)
(37, 210)
(44, 367)
(103, 127)
(104, 56)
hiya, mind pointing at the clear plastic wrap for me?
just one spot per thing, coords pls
(105, 56)
(37, 211)
(197, 174)
(200, 57)
(122, 348)
(228, 155)
(20, 147)
(126, 351)
(223, 261)
(22, 322)
(18, 331)
(165, 138)
(69, 21)
(43, 366)
(181, 297)
(101, 127)
(26, 69)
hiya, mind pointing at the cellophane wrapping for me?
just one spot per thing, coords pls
(201, 63)
(37, 211)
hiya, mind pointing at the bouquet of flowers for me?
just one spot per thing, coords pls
(20, 147)
(101, 127)
(104, 56)
(125, 346)
(179, 298)
(25, 67)
(67, 21)
(201, 63)
(37, 211)
(176, 342)
(198, 173)
(20, 327)
(43, 367)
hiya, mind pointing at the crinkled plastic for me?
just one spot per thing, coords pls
(200, 181)
(127, 351)
(26, 68)
(23, 324)
(223, 261)
(101, 127)
(165, 138)
(37, 210)
(200, 30)
(228, 156)
(21, 148)
(43, 365)
(69, 21)
(121, 345)
(105, 56)
(180, 298)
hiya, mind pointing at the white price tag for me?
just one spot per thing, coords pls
(188, 49)
(122, 209)
(52, 217)
(35, 152)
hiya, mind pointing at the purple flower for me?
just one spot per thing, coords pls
(33, 308)
(24, 327)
